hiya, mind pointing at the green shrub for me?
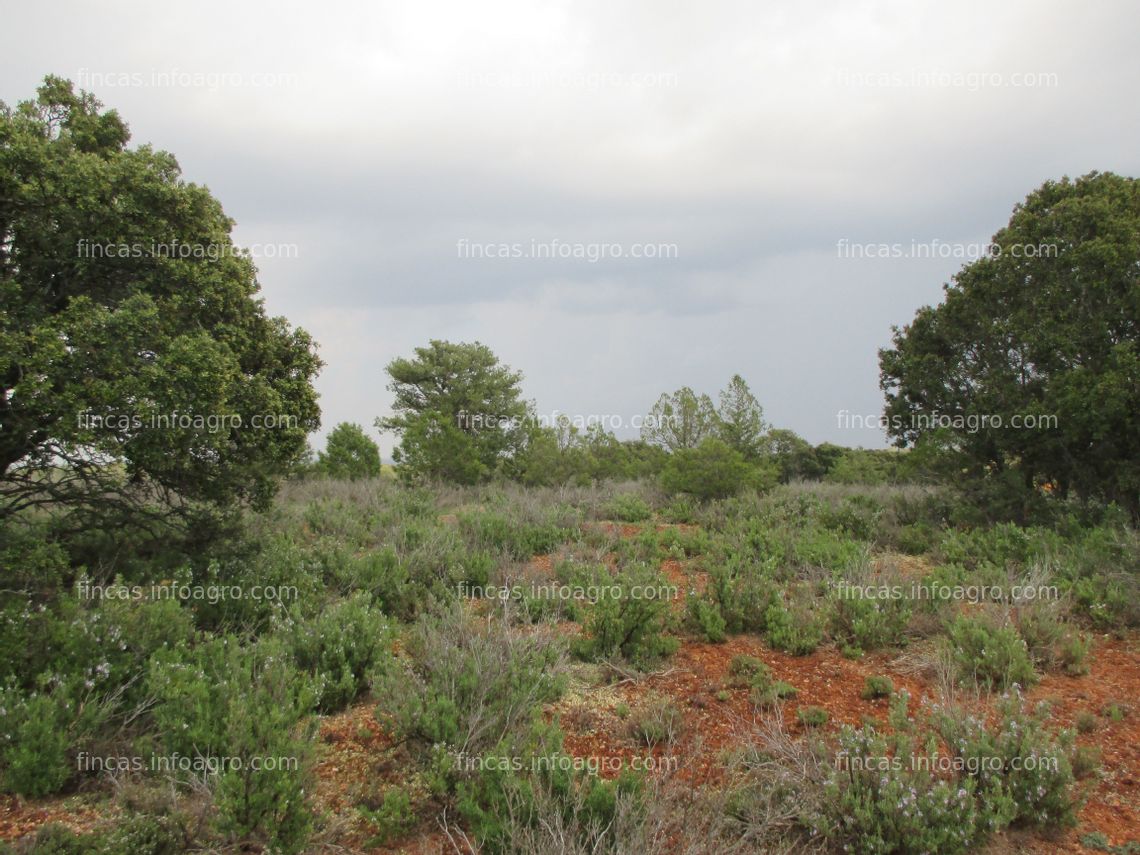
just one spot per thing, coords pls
(266, 724)
(42, 730)
(875, 805)
(705, 619)
(856, 517)
(487, 530)
(877, 687)
(1040, 627)
(994, 656)
(466, 683)
(36, 754)
(712, 470)
(1072, 653)
(1115, 712)
(93, 649)
(33, 560)
(380, 573)
(793, 626)
(657, 721)
(772, 693)
(625, 624)
(267, 563)
(557, 807)
(1005, 545)
(916, 538)
(144, 834)
(245, 709)
(1098, 841)
(628, 507)
(1020, 758)
(339, 648)
(816, 547)
(392, 819)
(741, 592)
(1085, 761)
(680, 509)
(749, 671)
(812, 716)
(57, 839)
(868, 622)
(689, 541)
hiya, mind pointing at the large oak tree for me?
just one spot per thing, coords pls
(138, 368)
(1046, 330)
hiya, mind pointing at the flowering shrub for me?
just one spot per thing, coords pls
(1020, 757)
(882, 799)
(994, 656)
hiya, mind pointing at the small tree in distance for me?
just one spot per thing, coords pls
(459, 412)
(680, 420)
(349, 453)
(740, 419)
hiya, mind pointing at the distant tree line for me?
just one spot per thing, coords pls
(460, 418)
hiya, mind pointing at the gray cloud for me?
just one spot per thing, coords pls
(754, 137)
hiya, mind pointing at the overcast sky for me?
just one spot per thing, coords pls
(381, 145)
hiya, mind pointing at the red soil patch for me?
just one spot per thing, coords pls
(674, 571)
(542, 565)
(1113, 807)
(699, 670)
(20, 817)
(621, 529)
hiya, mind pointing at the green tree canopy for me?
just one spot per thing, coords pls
(349, 453)
(794, 456)
(139, 368)
(1031, 364)
(740, 419)
(712, 470)
(680, 420)
(458, 411)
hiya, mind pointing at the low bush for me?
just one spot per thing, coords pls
(772, 693)
(877, 687)
(551, 805)
(993, 656)
(1019, 758)
(705, 619)
(146, 834)
(392, 819)
(657, 721)
(519, 539)
(628, 507)
(245, 710)
(740, 593)
(812, 716)
(466, 683)
(40, 733)
(339, 648)
(794, 625)
(868, 623)
(878, 800)
(916, 538)
(628, 623)
(744, 670)
(1085, 722)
